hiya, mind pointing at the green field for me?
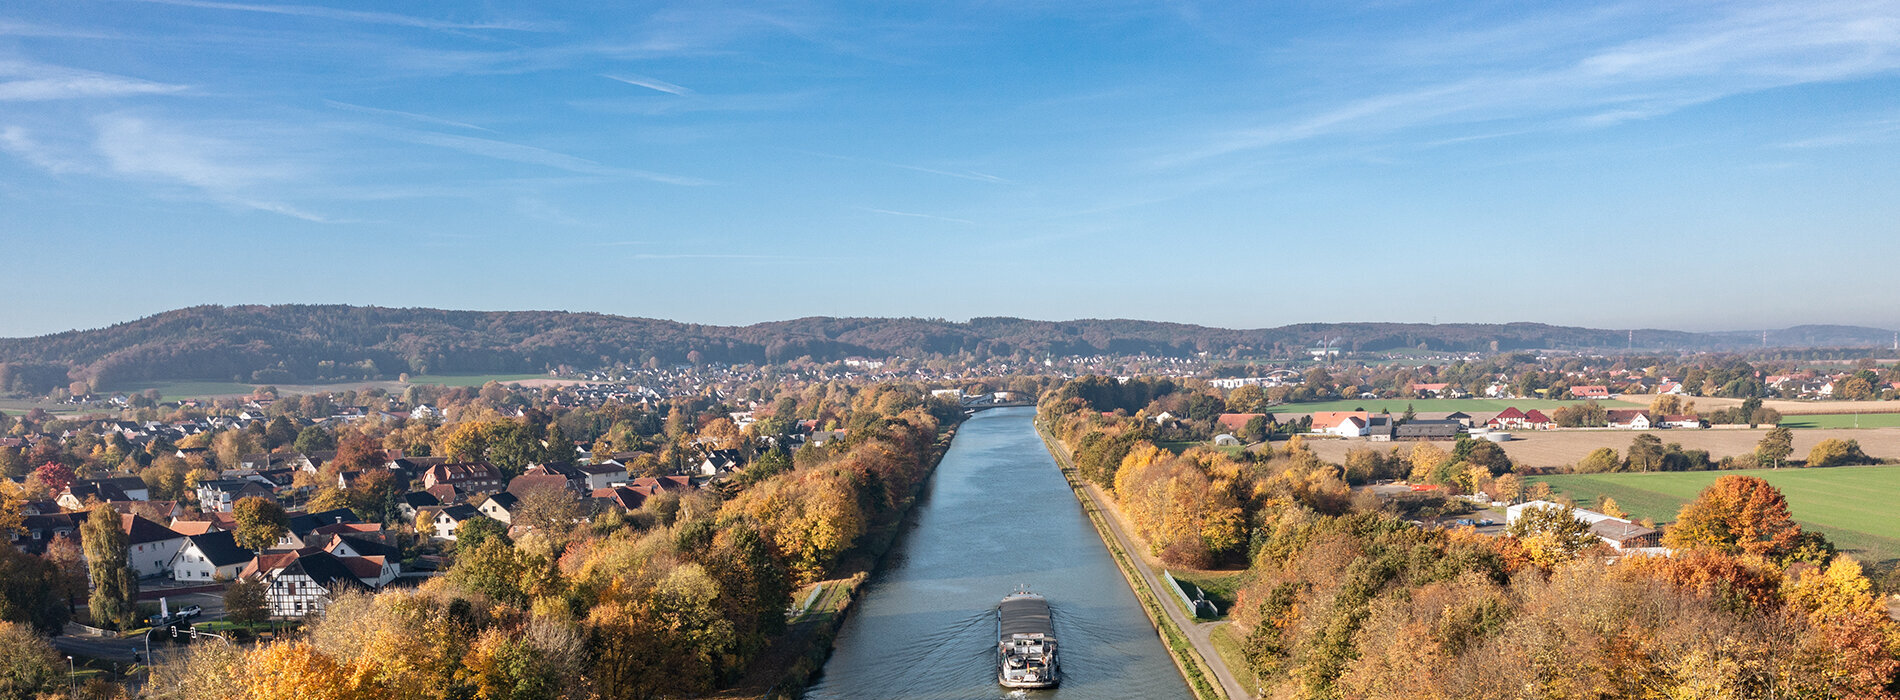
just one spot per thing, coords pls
(1842, 420)
(186, 389)
(1437, 405)
(1854, 506)
(470, 379)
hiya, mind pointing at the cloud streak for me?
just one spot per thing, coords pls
(893, 212)
(36, 83)
(530, 155)
(355, 16)
(650, 84)
(134, 148)
(1748, 50)
(424, 118)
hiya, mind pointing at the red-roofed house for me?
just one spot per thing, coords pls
(1689, 420)
(1629, 419)
(1429, 389)
(1590, 391)
(1341, 423)
(1236, 421)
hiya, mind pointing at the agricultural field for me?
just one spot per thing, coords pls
(1853, 506)
(1555, 448)
(1397, 406)
(1787, 407)
(185, 389)
(1842, 420)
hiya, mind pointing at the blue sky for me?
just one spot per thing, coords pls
(1708, 165)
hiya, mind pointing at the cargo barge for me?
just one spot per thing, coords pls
(1026, 645)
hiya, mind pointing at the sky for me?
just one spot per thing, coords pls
(1696, 165)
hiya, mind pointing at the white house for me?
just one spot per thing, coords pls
(501, 507)
(1622, 535)
(1629, 419)
(150, 547)
(213, 556)
(302, 582)
(445, 520)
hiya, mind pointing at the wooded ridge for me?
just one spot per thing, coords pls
(315, 342)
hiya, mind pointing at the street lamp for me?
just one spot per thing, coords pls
(72, 677)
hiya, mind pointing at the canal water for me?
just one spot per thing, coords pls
(997, 515)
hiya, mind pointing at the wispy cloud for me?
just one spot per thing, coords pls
(17, 141)
(357, 16)
(716, 256)
(1876, 132)
(518, 153)
(221, 170)
(424, 118)
(971, 175)
(893, 212)
(1685, 63)
(35, 82)
(650, 84)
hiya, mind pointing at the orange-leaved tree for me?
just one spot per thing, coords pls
(1736, 515)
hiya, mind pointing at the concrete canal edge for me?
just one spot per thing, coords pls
(815, 641)
(1194, 667)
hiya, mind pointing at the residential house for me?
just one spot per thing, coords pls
(1590, 391)
(38, 530)
(303, 582)
(605, 474)
(1233, 422)
(1629, 419)
(407, 503)
(466, 477)
(443, 521)
(150, 547)
(718, 461)
(213, 556)
(501, 507)
(218, 496)
(1690, 421)
(625, 498)
(1341, 423)
(1429, 390)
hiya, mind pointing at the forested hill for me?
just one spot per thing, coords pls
(304, 343)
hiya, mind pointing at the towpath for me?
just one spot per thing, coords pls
(1199, 633)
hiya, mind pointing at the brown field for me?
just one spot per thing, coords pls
(1787, 407)
(1552, 448)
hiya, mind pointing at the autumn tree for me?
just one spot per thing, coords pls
(1775, 446)
(1834, 452)
(33, 591)
(115, 588)
(1425, 458)
(55, 477)
(1646, 454)
(1602, 459)
(244, 602)
(261, 522)
(29, 667)
(314, 439)
(1551, 534)
(1736, 514)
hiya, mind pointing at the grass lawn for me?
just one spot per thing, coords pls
(1227, 643)
(1853, 506)
(1397, 406)
(1220, 587)
(1842, 420)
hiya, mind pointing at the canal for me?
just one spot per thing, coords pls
(997, 515)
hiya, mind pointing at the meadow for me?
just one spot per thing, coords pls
(1840, 420)
(1853, 506)
(196, 389)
